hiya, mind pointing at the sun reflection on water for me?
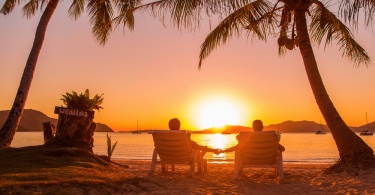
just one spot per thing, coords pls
(216, 141)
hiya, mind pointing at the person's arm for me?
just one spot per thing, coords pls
(205, 149)
(281, 148)
(231, 149)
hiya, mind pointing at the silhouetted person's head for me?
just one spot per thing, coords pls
(257, 125)
(174, 124)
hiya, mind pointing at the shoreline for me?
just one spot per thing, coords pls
(231, 161)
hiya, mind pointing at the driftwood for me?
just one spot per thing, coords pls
(48, 130)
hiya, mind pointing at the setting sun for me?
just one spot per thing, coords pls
(218, 112)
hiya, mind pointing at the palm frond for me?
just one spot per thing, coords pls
(350, 10)
(9, 6)
(182, 13)
(30, 8)
(76, 8)
(126, 15)
(257, 17)
(101, 13)
(325, 23)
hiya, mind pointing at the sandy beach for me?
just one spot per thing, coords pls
(96, 179)
(299, 179)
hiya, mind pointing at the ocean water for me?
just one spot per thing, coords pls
(300, 147)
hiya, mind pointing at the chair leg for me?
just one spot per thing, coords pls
(199, 165)
(236, 164)
(192, 163)
(280, 168)
(205, 166)
(153, 162)
(163, 168)
(199, 161)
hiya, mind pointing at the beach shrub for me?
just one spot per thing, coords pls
(82, 101)
(110, 147)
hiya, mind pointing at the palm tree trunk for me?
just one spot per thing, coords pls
(348, 143)
(10, 126)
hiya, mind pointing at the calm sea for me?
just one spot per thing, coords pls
(300, 147)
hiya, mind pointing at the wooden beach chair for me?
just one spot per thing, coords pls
(174, 147)
(258, 150)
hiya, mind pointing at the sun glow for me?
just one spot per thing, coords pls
(218, 112)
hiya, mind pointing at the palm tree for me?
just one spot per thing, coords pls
(298, 24)
(100, 12)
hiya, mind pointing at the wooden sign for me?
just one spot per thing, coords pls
(74, 112)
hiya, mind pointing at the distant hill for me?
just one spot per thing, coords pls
(32, 121)
(286, 127)
(370, 126)
(297, 127)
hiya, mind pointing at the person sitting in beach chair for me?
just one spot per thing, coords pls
(175, 146)
(257, 127)
(258, 150)
(175, 124)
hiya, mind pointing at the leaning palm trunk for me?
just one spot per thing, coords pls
(10, 126)
(348, 143)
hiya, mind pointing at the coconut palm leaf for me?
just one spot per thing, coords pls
(350, 10)
(9, 6)
(101, 14)
(255, 17)
(182, 13)
(325, 23)
(125, 8)
(76, 8)
(30, 8)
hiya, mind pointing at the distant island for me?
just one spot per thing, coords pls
(32, 121)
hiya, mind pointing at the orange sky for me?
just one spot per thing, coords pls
(151, 75)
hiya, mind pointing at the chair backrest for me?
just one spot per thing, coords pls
(172, 145)
(258, 148)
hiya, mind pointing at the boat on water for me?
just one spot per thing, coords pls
(137, 131)
(320, 132)
(225, 131)
(366, 132)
